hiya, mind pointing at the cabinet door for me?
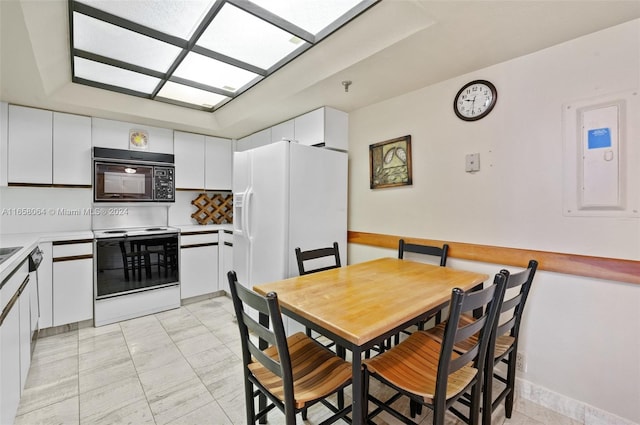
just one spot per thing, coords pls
(72, 291)
(9, 366)
(29, 148)
(309, 128)
(189, 160)
(71, 149)
(198, 270)
(218, 160)
(25, 334)
(283, 131)
(227, 265)
(45, 285)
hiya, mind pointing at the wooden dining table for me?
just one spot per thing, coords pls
(360, 305)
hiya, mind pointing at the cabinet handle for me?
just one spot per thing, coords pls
(198, 245)
(73, 258)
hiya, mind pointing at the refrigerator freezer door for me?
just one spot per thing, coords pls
(241, 242)
(318, 201)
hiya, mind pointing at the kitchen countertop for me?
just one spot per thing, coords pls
(28, 241)
(205, 228)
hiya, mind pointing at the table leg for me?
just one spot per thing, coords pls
(359, 404)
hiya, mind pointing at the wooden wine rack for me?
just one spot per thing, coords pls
(217, 209)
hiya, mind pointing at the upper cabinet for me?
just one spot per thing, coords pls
(283, 131)
(325, 126)
(202, 162)
(115, 135)
(189, 160)
(254, 140)
(218, 161)
(30, 141)
(71, 149)
(47, 147)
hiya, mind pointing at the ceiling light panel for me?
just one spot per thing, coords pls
(102, 38)
(178, 18)
(191, 95)
(310, 15)
(113, 76)
(204, 70)
(240, 35)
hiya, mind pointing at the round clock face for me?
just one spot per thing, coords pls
(475, 100)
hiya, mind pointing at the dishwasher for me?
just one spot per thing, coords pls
(35, 258)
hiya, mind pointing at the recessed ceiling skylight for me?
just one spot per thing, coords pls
(195, 53)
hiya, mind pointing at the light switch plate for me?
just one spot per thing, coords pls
(472, 162)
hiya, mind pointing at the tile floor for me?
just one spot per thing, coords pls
(176, 367)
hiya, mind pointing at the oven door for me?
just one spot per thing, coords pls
(132, 264)
(122, 182)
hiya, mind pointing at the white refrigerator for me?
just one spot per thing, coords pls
(286, 195)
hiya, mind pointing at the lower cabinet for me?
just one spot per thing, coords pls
(15, 338)
(226, 260)
(198, 263)
(72, 281)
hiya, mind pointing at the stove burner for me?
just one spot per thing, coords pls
(115, 231)
(152, 229)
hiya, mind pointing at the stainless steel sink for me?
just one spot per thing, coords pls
(5, 253)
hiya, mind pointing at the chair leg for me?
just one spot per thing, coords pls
(487, 393)
(511, 377)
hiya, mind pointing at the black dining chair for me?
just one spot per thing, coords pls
(430, 372)
(311, 261)
(293, 373)
(503, 346)
(316, 260)
(441, 253)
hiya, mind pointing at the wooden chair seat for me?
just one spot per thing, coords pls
(413, 365)
(316, 371)
(503, 342)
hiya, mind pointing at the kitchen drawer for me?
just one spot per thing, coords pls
(63, 249)
(198, 238)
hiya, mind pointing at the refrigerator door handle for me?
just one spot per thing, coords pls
(246, 212)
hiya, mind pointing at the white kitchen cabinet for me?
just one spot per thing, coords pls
(218, 163)
(45, 285)
(72, 282)
(29, 150)
(226, 260)
(25, 332)
(4, 127)
(115, 135)
(325, 126)
(198, 263)
(254, 140)
(189, 160)
(10, 343)
(71, 149)
(283, 131)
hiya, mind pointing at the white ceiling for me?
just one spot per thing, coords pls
(395, 47)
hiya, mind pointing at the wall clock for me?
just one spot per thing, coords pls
(475, 100)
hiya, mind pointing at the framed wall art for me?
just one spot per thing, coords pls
(138, 140)
(390, 163)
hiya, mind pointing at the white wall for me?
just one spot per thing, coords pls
(581, 337)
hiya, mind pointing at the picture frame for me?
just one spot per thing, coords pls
(390, 163)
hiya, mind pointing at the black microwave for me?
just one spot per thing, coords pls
(132, 176)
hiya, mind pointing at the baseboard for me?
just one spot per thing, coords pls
(574, 409)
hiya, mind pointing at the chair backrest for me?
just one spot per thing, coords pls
(424, 249)
(273, 335)
(315, 254)
(489, 300)
(510, 314)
